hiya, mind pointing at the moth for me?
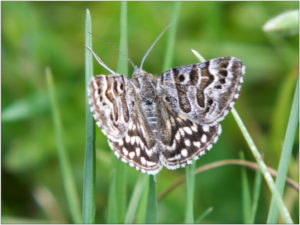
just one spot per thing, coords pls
(166, 121)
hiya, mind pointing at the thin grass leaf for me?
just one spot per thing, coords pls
(286, 154)
(281, 112)
(190, 175)
(245, 193)
(122, 66)
(112, 200)
(171, 37)
(118, 206)
(204, 215)
(135, 199)
(256, 193)
(88, 201)
(198, 55)
(287, 22)
(275, 193)
(65, 168)
(151, 209)
(190, 186)
(141, 217)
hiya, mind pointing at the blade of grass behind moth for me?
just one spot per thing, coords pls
(65, 168)
(245, 193)
(171, 37)
(279, 119)
(256, 193)
(190, 186)
(285, 154)
(118, 206)
(151, 209)
(88, 208)
(112, 201)
(135, 199)
(143, 204)
(190, 178)
(204, 215)
(275, 193)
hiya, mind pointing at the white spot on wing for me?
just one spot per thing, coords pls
(138, 152)
(127, 139)
(184, 152)
(131, 155)
(205, 128)
(187, 142)
(197, 144)
(188, 130)
(143, 160)
(203, 138)
(177, 136)
(125, 151)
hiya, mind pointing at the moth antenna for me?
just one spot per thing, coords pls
(154, 43)
(101, 62)
(116, 48)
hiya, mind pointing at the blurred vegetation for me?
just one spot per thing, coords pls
(40, 34)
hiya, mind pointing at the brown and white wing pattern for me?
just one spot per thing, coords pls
(111, 102)
(138, 148)
(183, 140)
(203, 92)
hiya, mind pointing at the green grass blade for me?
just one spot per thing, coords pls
(88, 208)
(275, 193)
(65, 167)
(204, 215)
(246, 194)
(190, 176)
(135, 199)
(117, 205)
(112, 217)
(286, 154)
(256, 193)
(190, 186)
(281, 114)
(141, 217)
(171, 37)
(151, 209)
(122, 68)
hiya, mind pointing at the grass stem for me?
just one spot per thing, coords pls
(65, 167)
(285, 154)
(88, 201)
(275, 193)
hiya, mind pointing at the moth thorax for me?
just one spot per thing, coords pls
(146, 87)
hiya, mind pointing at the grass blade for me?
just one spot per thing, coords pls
(117, 206)
(88, 208)
(135, 199)
(286, 154)
(285, 213)
(190, 186)
(151, 209)
(204, 214)
(246, 194)
(141, 217)
(190, 176)
(112, 201)
(122, 68)
(65, 168)
(171, 37)
(256, 193)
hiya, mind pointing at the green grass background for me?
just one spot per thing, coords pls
(40, 34)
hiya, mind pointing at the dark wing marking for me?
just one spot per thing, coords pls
(203, 92)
